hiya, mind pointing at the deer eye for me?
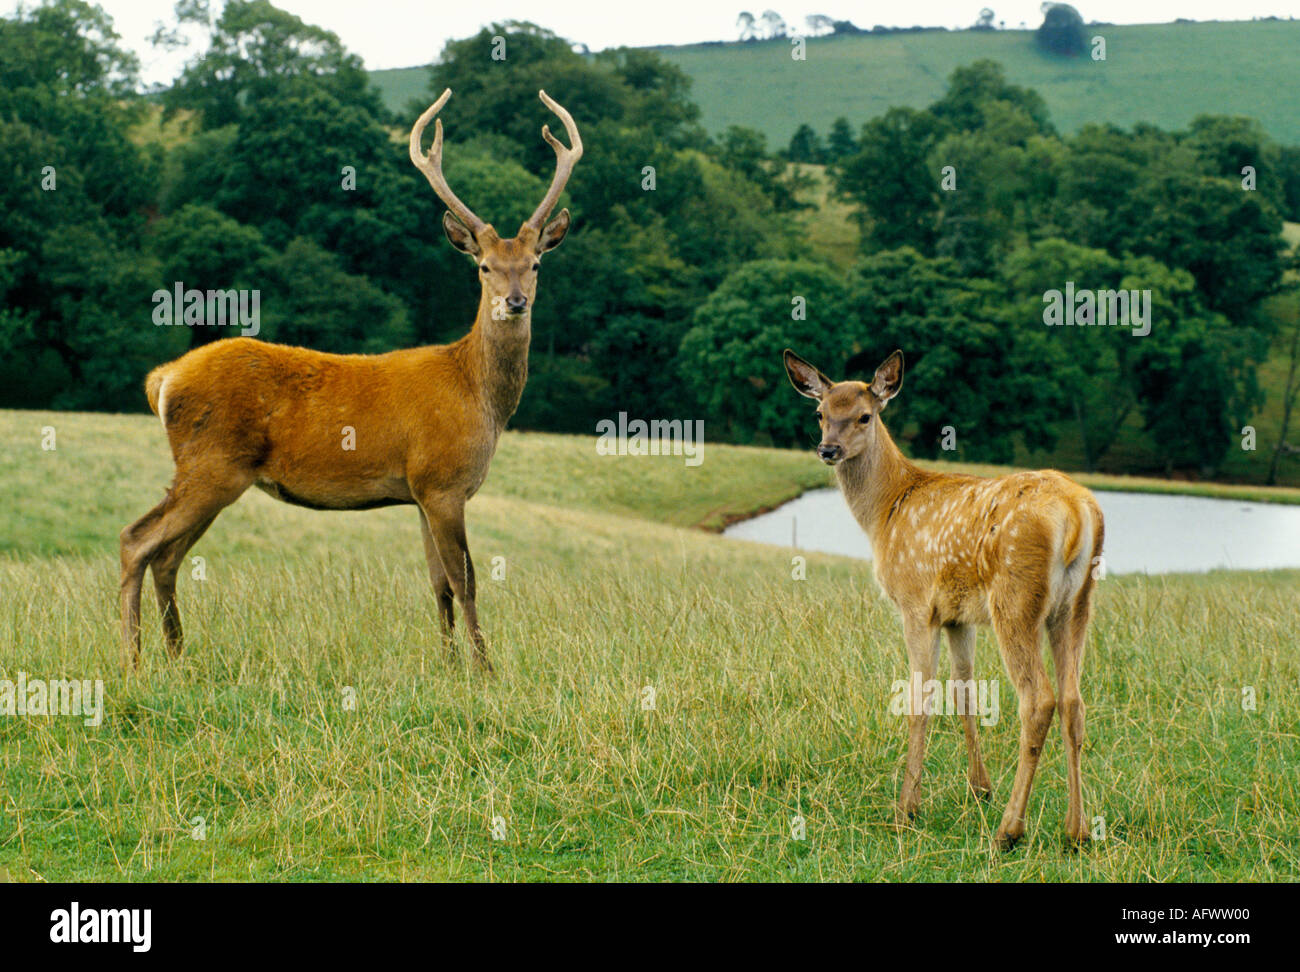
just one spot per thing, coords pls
(536, 266)
(865, 419)
(819, 415)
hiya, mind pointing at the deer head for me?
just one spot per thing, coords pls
(848, 410)
(507, 267)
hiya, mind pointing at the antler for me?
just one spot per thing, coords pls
(431, 165)
(565, 159)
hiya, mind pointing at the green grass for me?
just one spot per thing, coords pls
(1165, 74)
(771, 695)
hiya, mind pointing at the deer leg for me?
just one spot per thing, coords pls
(961, 646)
(922, 640)
(1019, 630)
(184, 508)
(442, 592)
(136, 551)
(164, 568)
(1067, 639)
(447, 525)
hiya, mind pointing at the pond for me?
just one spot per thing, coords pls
(1145, 532)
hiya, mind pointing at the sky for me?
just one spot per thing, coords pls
(404, 33)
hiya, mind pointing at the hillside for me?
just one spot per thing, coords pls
(1160, 73)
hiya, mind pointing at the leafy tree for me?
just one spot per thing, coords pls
(1061, 32)
(969, 365)
(1228, 239)
(308, 299)
(806, 146)
(890, 179)
(972, 88)
(1288, 163)
(254, 48)
(206, 250)
(840, 143)
(730, 359)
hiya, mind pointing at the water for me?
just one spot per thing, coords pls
(1145, 532)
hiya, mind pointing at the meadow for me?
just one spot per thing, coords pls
(667, 701)
(1165, 74)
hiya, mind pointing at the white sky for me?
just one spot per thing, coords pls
(403, 33)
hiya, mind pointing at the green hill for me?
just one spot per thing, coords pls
(1165, 74)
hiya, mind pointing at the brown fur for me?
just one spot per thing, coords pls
(425, 421)
(954, 551)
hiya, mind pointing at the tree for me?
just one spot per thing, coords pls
(970, 365)
(730, 360)
(819, 24)
(307, 299)
(890, 179)
(806, 146)
(775, 24)
(974, 87)
(1228, 239)
(1290, 388)
(205, 250)
(254, 47)
(1061, 32)
(840, 143)
(748, 28)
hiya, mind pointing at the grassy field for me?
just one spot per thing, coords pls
(770, 695)
(1160, 73)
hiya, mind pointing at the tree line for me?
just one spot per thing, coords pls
(688, 269)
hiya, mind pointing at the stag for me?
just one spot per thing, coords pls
(424, 421)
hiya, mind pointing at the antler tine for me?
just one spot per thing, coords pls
(565, 159)
(431, 165)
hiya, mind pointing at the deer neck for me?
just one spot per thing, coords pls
(500, 357)
(875, 480)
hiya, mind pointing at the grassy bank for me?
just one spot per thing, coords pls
(770, 695)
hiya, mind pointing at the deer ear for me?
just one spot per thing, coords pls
(807, 380)
(553, 232)
(461, 238)
(889, 378)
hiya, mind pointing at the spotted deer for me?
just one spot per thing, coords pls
(424, 421)
(955, 551)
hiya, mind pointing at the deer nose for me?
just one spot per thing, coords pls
(516, 303)
(830, 453)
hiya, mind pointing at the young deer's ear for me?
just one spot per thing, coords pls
(553, 232)
(889, 378)
(461, 238)
(807, 380)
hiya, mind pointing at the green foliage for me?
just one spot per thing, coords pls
(1062, 32)
(969, 364)
(254, 48)
(307, 299)
(671, 292)
(890, 180)
(806, 146)
(730, 359)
